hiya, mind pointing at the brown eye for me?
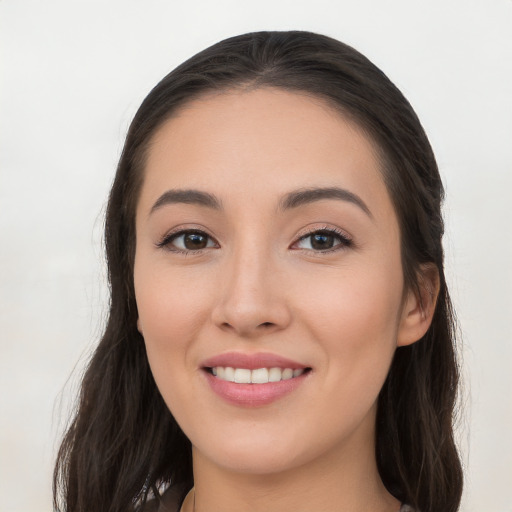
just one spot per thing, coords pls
(188, 241)
(194, 241)
(320, 241)
(323, 240)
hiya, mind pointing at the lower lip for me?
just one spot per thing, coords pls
(253, 395)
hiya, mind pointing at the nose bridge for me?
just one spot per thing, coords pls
(251, 299)
(248, 274)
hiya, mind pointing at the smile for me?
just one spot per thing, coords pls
(256, 376)
(254, 380)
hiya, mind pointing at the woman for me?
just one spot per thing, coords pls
(280, 333)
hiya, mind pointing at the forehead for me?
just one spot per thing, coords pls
(266, 140)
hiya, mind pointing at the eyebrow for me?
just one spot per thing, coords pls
(311, 195)
(289, 201)
(189, 196)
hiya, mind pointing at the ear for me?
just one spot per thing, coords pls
(419, 306)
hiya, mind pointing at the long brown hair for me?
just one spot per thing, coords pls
(123, 444)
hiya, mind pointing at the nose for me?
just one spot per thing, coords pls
(252, 296)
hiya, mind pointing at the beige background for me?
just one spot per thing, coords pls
(72, 75)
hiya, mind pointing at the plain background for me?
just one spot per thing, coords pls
(72, 75)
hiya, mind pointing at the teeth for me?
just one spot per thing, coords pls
(229, 374)
(242, 376)
(274, 374)
(287, 374)
(258, 376)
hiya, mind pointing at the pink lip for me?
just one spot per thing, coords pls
(252, 395)
(251, 361)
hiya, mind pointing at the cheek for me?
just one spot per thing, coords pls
(354, 315)
(353, 300)
(171, 307)
(355, 329)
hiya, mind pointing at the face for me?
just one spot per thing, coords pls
(268, 279)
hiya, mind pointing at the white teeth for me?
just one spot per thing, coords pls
(274, 375)
(287, 374)
(243, 376)
(229, 374)
(257, 376)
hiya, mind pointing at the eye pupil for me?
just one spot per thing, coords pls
(195, 241)
(322, 241)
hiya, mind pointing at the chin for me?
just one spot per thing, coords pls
(264, 454)
(250, 454)
(254, 463)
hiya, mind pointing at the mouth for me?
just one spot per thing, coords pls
(253, 380)
(255, 376)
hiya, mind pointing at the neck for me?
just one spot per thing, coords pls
(340, 482)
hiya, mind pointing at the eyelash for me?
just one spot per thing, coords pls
(344, 240)
(169, 238)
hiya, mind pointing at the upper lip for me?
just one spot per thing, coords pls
(251, 361)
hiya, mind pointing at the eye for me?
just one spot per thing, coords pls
(187, 241)
(323, 240)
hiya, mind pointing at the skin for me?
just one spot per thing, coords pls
(261, 286)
